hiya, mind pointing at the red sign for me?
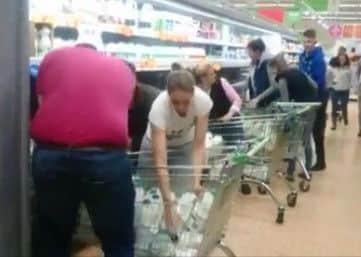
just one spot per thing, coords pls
(275, 13)
(335, 30)
(357, 31)
(348, 30)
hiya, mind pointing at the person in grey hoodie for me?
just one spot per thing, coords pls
(341, 89)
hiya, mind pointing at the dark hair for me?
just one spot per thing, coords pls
(180, 79)
(257, 45)
(138, 94)
(86, 45)
(310, 33)
(353, 50)
(176, 66)
(347, 64)
(334, 62)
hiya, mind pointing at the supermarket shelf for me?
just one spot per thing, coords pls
(165, 66)
(137, 36)
(292, 52)
(225, 14)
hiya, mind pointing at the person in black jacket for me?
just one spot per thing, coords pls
(295, 86)
(261, 75)
(144, 96)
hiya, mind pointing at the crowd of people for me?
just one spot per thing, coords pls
(87, 105)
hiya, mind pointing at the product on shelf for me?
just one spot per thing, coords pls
(146, 21)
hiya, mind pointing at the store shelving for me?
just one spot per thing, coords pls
(154, 33)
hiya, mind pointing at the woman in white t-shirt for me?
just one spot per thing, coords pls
(176, 133)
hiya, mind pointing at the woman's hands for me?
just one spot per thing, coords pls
(171, 218)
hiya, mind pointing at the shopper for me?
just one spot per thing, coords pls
(176, 134)
(81, 135)
(341, 89)
(331, 76)
(34, 105)
(144, 97)
(313, 64)
(261, 76)
(226, 101)
(341, 50)
(359, 107)
(294, 86)
(359, 95)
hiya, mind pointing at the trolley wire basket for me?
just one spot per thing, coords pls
(199, 219)
(287, 125)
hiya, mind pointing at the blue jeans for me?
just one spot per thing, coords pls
(65, 178)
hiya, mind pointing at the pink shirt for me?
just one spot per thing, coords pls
(85, 97)
(232, 96)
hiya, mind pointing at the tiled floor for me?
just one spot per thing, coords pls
(325, 222)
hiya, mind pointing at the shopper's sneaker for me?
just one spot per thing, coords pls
(319, 167)
(303, 176)
(290, 178)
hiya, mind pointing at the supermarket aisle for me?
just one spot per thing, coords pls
(326, 221)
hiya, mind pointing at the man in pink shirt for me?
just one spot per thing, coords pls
(81, 133)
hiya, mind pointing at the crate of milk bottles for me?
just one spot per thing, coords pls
(200, 218)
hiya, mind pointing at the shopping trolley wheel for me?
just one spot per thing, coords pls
(292, 199)
(262, 190)
(280, 215)
(246, 189)
(304, 186)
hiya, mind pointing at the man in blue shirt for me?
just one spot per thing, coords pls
(312, 62)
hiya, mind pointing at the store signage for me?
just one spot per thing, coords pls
(348, 31)
(335, 30)
(318, 5)
(292, 17)
(275, 13)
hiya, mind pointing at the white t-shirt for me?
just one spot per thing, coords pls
(179, 130)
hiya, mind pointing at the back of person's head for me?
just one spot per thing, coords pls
(176, 66)
(201, 70)
(279, 62)
(180, 80)
(353, 50)
(310, 33)
(257, 45)
(86, 45)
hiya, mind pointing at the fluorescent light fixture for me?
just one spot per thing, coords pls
(286, 5)
(339, 18)
(349, 5)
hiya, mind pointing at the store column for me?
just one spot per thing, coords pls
(14, 90)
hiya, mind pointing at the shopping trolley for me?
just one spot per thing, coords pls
(250, 127)
(288, 126)
(298, 132)
(201, 218)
